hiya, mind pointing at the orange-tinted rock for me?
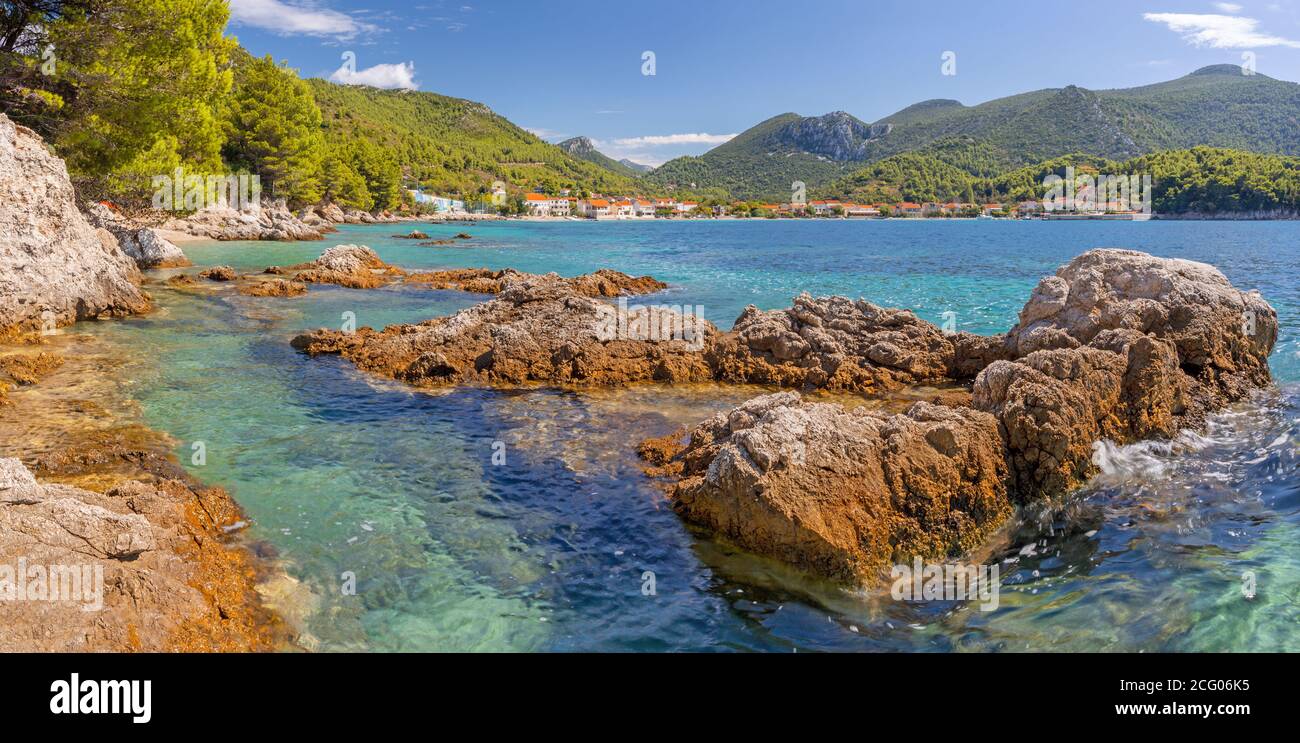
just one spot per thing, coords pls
(536, 330)
(844, 493)
(832, 343)
(219, 273)
(274, 288)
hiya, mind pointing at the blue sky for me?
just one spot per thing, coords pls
(563, 69)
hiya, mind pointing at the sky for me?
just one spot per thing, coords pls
(563, 69)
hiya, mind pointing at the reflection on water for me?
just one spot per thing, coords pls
(352, 480)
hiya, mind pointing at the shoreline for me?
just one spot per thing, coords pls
(198, 586)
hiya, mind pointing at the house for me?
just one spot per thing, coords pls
(538, 205)
(860, 211)
(594, 208)
(826, 208)
(909, 209)
(1027, 208)
(624, 209)
(542, 205)
(645, 208)
(686, 207)
(988, 209)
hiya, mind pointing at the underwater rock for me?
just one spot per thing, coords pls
(274, 288)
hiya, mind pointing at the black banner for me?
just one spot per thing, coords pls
(331, 692)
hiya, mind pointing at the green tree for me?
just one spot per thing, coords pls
(130, 72)
(273, 128)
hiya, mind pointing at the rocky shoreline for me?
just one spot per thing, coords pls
(1118, 346)
(91, 502)
(84, 487)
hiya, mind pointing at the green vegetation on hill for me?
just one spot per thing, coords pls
(583, 149)
(450, 145)
(753, 165)
(1204, 180)
(1216, 106)
(138, 88)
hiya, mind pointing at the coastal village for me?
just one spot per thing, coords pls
(635, 207)
(565, 205)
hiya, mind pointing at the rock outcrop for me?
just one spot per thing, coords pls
(269, 221)
(352, 266)
(1223, 335)
(602, 283)
(140, 567)
(219, 273)
(145, 245)
(844, 493)
(1123, 346)
(55, 268)
(536, 330)
(1118, 346)
(832, 343)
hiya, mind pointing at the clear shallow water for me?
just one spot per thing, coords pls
(346, 474)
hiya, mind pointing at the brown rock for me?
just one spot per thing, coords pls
(844, 493)
(602, 283)
(832, 343)
(274, 288)
(219, 273)
(536, 330)
(148, 563)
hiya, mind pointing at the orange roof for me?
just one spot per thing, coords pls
(598, 202)
(909, 205)
(536, 197)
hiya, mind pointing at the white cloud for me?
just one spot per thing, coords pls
(663, 140)
(1219, 31)
(1228, 7)
(543, 133)
(298, 17)
(400, 75)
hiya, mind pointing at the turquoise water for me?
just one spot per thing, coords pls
(347, 477)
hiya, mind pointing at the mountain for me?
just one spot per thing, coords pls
(451, 145)
(638, 167)
(584, 149)
(766, 160)
(1216, 106)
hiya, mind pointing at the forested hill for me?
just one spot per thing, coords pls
(1215, 106)
(130, 98)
